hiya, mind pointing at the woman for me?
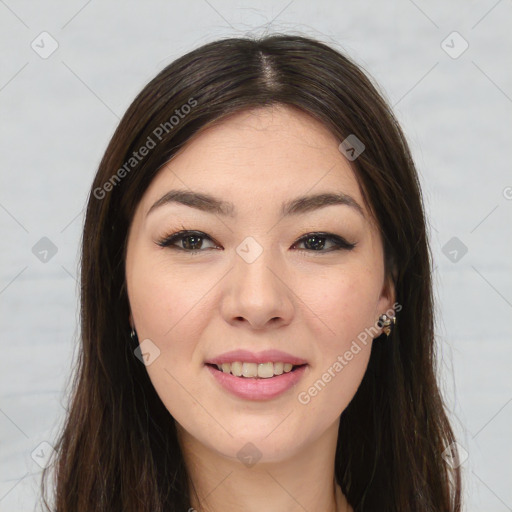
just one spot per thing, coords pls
(257, 317)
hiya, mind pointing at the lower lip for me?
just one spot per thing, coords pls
(258, 389)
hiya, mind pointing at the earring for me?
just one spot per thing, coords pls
(386, 323)
(134, 338)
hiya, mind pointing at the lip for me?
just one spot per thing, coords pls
(266, 356)
(257, 389)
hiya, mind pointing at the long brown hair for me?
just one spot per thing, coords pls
(118, 449)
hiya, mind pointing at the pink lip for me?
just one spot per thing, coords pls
(256, 388)
(267, 356)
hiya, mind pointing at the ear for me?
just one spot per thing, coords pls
(387, 299)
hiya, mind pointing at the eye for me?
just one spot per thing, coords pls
(192, 242)
(315, 242)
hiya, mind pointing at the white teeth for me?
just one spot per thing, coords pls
(278, 368)
(266, 370)
(251, 370)
(236, 368)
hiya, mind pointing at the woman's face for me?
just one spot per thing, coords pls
(260, 280)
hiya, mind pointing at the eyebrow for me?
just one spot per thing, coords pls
(210, 204)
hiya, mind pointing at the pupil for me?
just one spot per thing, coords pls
(195, 240)
(317, 244)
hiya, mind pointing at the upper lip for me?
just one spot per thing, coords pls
(266, 356)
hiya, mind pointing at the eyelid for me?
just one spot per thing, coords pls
(167, 240)
(339, 242)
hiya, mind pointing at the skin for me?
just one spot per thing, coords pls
(310, 304)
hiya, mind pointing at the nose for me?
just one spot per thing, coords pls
(257, 293)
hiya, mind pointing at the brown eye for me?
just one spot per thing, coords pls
(191, 241)
(315, 242)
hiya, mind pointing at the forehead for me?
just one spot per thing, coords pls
(258, 155)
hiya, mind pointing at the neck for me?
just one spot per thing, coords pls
(303, 481)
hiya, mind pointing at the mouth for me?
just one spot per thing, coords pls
(256, 381)
(246, 370)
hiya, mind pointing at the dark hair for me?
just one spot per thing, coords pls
(118, 449)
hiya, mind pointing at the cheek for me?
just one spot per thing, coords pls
(345, 302)
(346, 305)
(165, 303)
(162, 297)
(169, 308)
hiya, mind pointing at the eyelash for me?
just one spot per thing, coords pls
(340, 243)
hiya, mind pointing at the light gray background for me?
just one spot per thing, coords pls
(57, 116)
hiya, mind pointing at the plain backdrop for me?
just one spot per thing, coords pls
(70, 69)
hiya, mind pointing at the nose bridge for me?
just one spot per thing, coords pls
(256, 291)
(256, 265)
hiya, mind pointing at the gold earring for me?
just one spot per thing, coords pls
(386, 323)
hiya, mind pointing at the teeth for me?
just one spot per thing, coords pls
(252, 370)
(266, 370)
(235, 368)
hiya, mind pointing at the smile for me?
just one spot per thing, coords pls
(274, 380)
(255, 370)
